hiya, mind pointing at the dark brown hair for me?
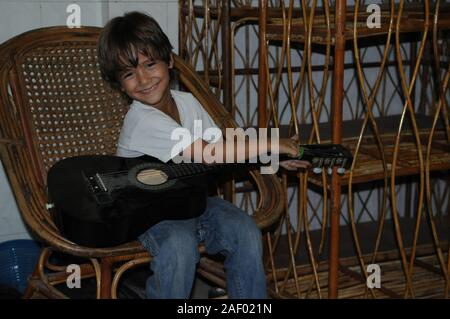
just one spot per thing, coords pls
(123, 38)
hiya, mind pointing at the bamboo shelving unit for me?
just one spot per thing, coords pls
(400, 74)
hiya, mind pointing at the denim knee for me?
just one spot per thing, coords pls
(228, 228)
(172, 233)
(181, 248)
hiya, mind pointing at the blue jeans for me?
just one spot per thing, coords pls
(225, 229)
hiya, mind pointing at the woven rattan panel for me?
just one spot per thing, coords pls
(73, 111)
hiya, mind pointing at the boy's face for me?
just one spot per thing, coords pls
(148, 82)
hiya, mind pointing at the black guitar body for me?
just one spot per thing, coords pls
(122, 211)
(103, 201)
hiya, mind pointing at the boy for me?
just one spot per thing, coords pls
(135, 56)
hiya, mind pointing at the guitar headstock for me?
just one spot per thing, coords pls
(326, 156)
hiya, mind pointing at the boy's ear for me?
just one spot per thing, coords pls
(171, 61)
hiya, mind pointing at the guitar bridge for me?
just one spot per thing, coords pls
(98, 190)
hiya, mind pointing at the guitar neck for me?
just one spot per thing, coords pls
(318, 155)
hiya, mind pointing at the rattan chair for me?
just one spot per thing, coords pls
(54, 104)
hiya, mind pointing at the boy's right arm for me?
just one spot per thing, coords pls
(224, 151)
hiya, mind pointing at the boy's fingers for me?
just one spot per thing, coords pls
(295, 164)
(296, 138)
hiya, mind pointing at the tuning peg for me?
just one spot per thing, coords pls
(329, 170)
(341, 170)
(317, 170)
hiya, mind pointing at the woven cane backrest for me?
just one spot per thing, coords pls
(69, 108)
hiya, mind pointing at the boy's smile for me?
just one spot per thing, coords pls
(148, 82)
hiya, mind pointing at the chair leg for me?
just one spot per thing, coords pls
(40, 282)
(30, 290)
(105, 284)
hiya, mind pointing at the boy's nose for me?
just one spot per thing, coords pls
(143, 78)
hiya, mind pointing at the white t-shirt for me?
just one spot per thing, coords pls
(148, 131)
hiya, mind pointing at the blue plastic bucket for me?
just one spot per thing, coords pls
(18, 259)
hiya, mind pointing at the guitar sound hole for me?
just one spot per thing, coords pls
(152, 177)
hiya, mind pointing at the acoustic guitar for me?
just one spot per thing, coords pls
(104, 201)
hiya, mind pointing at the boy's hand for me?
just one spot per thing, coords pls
(292, 165)
(289, 146)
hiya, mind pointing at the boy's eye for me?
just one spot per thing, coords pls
(150, 64)
(127, 75)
